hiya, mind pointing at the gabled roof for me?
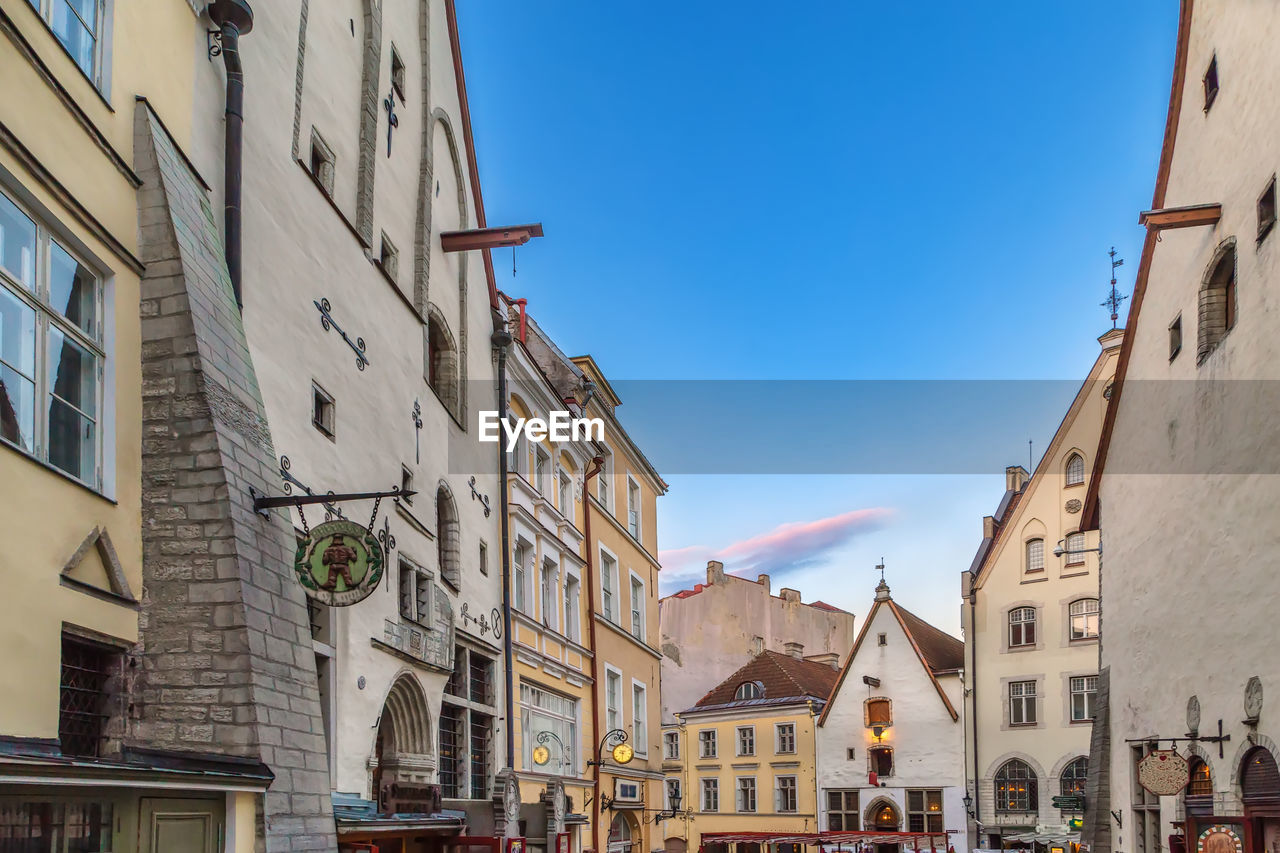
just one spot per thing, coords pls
(937, 651)
(784, 679)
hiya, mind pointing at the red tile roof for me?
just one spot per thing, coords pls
(782, 677)
(940, 650)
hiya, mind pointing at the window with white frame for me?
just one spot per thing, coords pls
(1022, 627)
(710, 795)
(564, 494)
(1084, 618)
(609, 587)
(786, 794)
(637, 607)
(672, 792)
(639, 719)
(550, 593)
(1074, 550)
(633, 508)
(707, 747)
(78, 25)
(52, 355)
(746, 794)
(541, 466)
(785, 737)
(1084, 691)
(572, 618)
(1035, 555)
(415, 593)
(541, 710)
(1022, 703)
(671, 746)
(613, 699)
(604, 483)
(520, 457)
(746, 740)
(520, 576)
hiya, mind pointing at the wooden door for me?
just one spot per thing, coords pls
(189, 826)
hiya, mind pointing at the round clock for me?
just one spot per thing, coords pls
(623, 753)
(541, 755)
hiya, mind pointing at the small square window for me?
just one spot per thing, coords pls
(484, 559)
(389, 259)
(1175, 337)
(1267, 209)
(322, 163)
(397, 74)
(850, 753)
(322, 410)
(882, 640)
(1211, 83)
(406, 483)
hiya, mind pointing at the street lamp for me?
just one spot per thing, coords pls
(674, 798)
(968, 804)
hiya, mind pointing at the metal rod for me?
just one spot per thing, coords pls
(261, 502)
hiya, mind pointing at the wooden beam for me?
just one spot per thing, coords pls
(489, 238)
(1181, 217)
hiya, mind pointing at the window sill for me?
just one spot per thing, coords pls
(1025, 648)
(1079, 574)
(1040, 579)
(1083, 641)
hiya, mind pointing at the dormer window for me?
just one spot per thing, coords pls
(748, 690)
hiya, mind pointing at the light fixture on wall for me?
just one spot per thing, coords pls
(968, 804)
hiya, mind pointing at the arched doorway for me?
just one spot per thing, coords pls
(624, 835)
(1260, 793)
(883, 816)
(402, 752)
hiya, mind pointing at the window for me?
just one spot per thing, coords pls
(452, 750)
(746, 740)
(786, 738)
(671, 745)
(322, 411)
(550, 593)
(78, 25)
(55, 825)
(711, 795)
(520, 457)
(483, 558)
(51, 349)
(397, 74)
(707, 743)
(1267, 209)
(608, 586)
(520, 579)
(1146, 809)
(879, 712)
(1075, 470)
(1022, 703)
(1075, 549)
(406, 485)
(842, 811)
(541, 462)
(1084, 618)
(613, 699)
(1022, 627)
(1016, 788)
(746, 800)
(415, 593)
(639, 719)
(786, 795)
(1217, 303)
(323, 163)
(1073, 777)
(881, 760)
(572, 618)
(564, 494)
(748, 690)
(882, 639)
(1211, 83)
(448, 551)
(389, 258)
(673, 793)
(1035, 555)
(83, 710)
(637, 608)
(924, 811)
(1084, 690)
(1201, 779)
(542, 710)
(603, 482)
(1175, 337)
(442, 363)
(850, 753)
(633, 508)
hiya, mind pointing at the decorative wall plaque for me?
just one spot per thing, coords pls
(1193, 714)
(1164, 772)
(339, 563)
(1253, 699)
(1074, 506)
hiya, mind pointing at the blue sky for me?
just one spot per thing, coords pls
(826, 191)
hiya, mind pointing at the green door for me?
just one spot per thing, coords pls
(180, 826)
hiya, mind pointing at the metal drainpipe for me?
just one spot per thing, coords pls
(501, 340)
(973, 673)
(592, 470)
(234, 18)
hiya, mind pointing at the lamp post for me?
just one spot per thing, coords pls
(968, 804)
(674, 798)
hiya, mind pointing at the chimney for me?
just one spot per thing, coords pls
(1015, 477)
(831, 659)
(763, 580)
(715, 572)
(792, 595)
(988, 527)
(796, 650)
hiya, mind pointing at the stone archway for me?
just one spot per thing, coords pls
(402, 751)
(883, 815)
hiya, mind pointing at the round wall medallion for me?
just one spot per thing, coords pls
(1253, 698)
(360, 683)
(1074, 506)
(1193, 714)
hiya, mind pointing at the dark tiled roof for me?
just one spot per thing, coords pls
(940, 650)
(783, 677)
(822, 605)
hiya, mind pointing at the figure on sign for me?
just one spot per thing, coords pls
(338, 558)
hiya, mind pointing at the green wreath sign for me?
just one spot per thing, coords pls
(339, 563)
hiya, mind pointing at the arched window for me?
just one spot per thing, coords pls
(1075, 470)
(1084, 618)
(621, 836)
(1022, 627)
(1073, 777)
(1259, 779)
(1016, 787)
(1217, 309)
(748, 690)
(1201, 784)
(884, 816)
(1075, 549)
(448, 549)
(442, 362)
(1035, 555)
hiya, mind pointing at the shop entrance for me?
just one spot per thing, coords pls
(1260, 791)
(173, 824)
(885, 818)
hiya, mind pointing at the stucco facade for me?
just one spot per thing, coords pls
(1030, 621)
(1187, 491)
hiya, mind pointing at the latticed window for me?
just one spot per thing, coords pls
(82, 714)
(1073, 777)
(481, 728)
(1022, 703)
(415, 594)
(1075, 470)
(28, 826)
(1022, 627)
(924, 811)
(746, 740)
(1035, 555)
(786, 737)
(1084, 618)
(451, 750)
(1201, 779)
(1016, 788)
(481, 669)
(842, 811)
(1084, 690)
(457, 683)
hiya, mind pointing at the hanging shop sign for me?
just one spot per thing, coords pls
(1220, 838)
(1164, 772)
(339, 563)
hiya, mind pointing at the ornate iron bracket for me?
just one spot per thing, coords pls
(492, 622)
(1219, 739)
(393, 121)
(565, 759)
(475, 495)
(327, 321)
(214, 40)
(290, 481)
(417, 435)
(264, 502)
(618, 736)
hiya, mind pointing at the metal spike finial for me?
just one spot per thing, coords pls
(1113, 301)
(880, 568)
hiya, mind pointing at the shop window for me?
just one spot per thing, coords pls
(55, 825)
(82, 713)
(842, 811)
(1074, 775)
(1016, 788)
(924, 811)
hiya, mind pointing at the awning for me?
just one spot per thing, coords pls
(1061, 839)
(912, 840)
(356, 815)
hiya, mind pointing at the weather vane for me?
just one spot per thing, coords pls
(1113, 301)
(880, 568)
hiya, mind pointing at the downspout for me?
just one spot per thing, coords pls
(973, 716)
(501, 339)
(233, 18)
(592, 470)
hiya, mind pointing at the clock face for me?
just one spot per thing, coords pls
(623, 753)
(541, 755)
